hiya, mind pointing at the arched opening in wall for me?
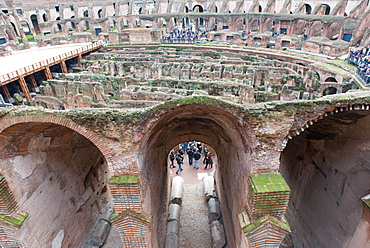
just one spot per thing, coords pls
(186, 9)
(44, 17)
(161, 23)
(326, 9)
(260, 8)
(216, 9)
(330, 91)
(58, 28)
(240, 24)
(333, 31)
(15, 29)
(85, 26)
(308, 9)
(327, 170)
(300, 27)
(56, 176)
(35, 24)
(140, 10)
(100, 11)
(269, 25)
(331, 80)
(26, 28)
(86, 13)
(198, 9)
(209, 125)
(316, 29)
(254, 24)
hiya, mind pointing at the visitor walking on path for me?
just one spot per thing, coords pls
(172, 158)
(208, 161)
(190, 153)
(179, 160)
(196, 158)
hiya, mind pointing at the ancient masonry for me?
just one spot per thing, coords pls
(258, 81)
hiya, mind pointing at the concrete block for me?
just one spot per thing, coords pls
(100, 233)
(217, 234)
(174, 212)
(172, 241)
(177, 190)
(173, 227)
(214, 209)
(209, 187)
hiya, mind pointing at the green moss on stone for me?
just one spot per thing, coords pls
(265, 220)
(124, 179)
(268, 182)
(132, 213)
(17, 220)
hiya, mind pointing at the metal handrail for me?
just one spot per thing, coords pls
(38, 65)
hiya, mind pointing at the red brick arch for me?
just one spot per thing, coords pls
(98, 140)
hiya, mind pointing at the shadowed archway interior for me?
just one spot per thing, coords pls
(225, 133)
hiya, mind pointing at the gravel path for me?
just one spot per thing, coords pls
(194, 227)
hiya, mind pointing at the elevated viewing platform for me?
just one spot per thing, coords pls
(25, 62)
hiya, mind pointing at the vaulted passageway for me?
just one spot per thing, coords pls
(59, 178)
(328, 168)
(225, 133)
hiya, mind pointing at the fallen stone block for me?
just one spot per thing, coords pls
(174, 212)
(217, 234)
(214, 209)
(177, 190)
(209, 187)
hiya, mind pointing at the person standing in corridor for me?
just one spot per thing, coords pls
(179, 161)
(208, 160)
(196, 158)
(190, 153)
(172, 158)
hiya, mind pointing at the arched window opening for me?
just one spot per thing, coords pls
(308, 9)
(100, 13)
(140, 10)
(35, 25)
(260, 8)
(327, 9)
(331, 80)
(86, 13)
(44, 17)
(330, 91)
(198, 8)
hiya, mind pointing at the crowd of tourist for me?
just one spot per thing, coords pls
(184, 36)
(361, 58)
(194, 151)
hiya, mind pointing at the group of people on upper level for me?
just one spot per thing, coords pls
(194, 152)
(184, 36)
(361, 57)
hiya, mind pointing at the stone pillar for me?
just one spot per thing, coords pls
(129, 219)
(24, 87)
(47, 73)
(6, 92)
(263, 219)
(34, 83)
(63, 66)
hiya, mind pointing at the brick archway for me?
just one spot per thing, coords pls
(95, 138)
(232, 139)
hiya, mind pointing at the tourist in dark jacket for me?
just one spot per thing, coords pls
(172, 158)
(208, 161)
(190, 153)
(179, 161)
(196, 158)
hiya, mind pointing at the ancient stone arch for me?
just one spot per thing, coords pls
(332, 149)
(57, 175)
(215, 126)
(316, 29)
(10, 121)
(268, 25)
